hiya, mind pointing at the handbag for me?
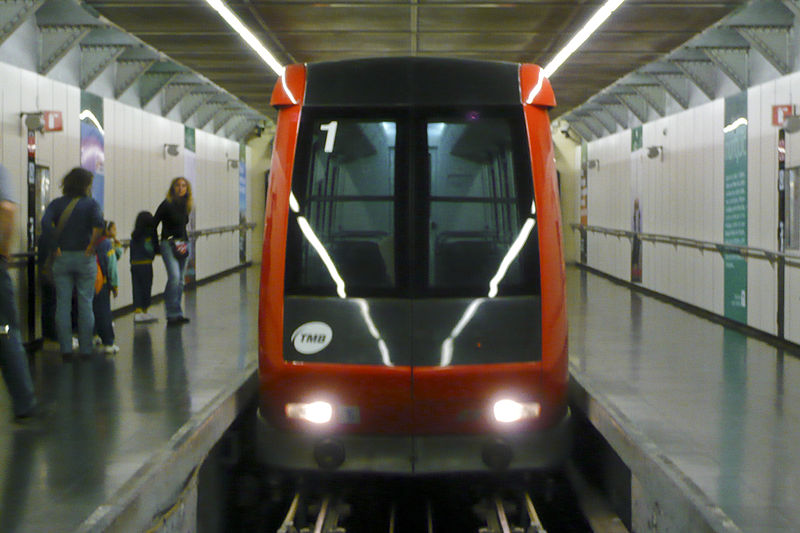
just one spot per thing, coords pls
(179, 247)
(46, 270)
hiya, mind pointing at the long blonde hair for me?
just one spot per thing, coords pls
(171, 193)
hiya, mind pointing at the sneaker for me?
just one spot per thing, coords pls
(177, 321)
(150, 318)
(75, 343)
(109, 349)
(140, 317)
(97, 341)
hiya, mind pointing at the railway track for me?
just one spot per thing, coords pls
(428, 506)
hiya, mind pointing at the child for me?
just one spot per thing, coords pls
(109, 250)
(144, 247)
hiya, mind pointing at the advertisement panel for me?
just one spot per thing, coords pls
(735, 218)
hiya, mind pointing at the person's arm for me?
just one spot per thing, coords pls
(97, 234)
(113, 275)
(159, 216)
(8, 211)
(98, 224)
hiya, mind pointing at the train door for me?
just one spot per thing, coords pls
(345, 278)
(477, 279)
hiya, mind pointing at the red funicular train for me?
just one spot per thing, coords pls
(413, 313)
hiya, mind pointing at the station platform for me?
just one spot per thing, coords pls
(705, 420)
(122, 436)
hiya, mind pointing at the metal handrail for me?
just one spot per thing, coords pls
(21, 259)
(221, 229)
(722, 248)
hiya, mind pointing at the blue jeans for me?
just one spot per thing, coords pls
(176, 269)
(74, 271)
(13, 360)
(142, 285)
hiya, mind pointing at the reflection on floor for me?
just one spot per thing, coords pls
(724, 408)
(105, 416)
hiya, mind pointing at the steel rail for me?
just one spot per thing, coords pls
(288, 523)
(21, 259)
(536, 524)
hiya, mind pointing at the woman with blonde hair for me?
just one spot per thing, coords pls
(173, 215)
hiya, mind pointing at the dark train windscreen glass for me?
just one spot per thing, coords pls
(419, 204)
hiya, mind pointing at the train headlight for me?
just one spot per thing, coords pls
(511, 411)
(314, 412)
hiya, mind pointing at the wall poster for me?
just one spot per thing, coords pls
(93, 143)
(242, 202)
(190, 173)
(735, 218)
(636, 204)
(584, 198)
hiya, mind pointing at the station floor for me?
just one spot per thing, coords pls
(106, 419)
(720, 408)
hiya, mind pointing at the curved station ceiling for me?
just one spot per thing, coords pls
(646, 52)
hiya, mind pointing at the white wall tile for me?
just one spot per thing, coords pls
(137, 174)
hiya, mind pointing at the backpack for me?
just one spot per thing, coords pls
(99, 279)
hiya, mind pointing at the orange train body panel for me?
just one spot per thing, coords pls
(443, 406)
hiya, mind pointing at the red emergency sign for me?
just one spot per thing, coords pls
(780, 112)
(52, 121)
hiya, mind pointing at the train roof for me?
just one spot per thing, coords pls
(412, 81)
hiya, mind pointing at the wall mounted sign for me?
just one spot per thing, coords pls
(735, 217)
(780, 112)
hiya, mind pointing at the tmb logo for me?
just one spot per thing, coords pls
(312, 337)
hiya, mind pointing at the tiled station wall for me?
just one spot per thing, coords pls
(137, 172)
(683, 196)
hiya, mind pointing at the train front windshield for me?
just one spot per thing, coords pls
(436, 204)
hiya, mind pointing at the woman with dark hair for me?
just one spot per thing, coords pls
(173, 215)
(74, 267)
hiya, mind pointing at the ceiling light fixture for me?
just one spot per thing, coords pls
(234, 22)
(602, 14)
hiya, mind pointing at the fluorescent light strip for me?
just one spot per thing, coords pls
(234, 22)
(512, 253)
(384, 349)
(312, 238)
(86, 114)
(294, 205)
(447, 346)
(536, 89)
(741, 121)
(602, 14)
(305, 227)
